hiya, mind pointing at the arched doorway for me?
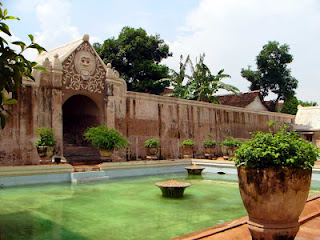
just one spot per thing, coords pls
(79, 113)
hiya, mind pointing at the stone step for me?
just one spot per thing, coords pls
(91, 179)
(80, 177)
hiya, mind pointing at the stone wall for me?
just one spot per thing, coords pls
(19, 135)
(173, 120)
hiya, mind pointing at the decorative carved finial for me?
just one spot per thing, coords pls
(46, 63)
(86, 37)
(111, 73)
(57, 65)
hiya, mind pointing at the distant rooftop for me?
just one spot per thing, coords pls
(308, 119)
(243, 100)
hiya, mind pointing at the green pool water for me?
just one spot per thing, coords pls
(128, 208)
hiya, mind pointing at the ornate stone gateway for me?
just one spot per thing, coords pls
(77, 91)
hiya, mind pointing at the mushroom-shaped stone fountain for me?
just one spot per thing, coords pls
(194, 169)
(172, 188)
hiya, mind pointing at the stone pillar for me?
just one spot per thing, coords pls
(57, 123)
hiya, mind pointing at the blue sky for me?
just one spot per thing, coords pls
(230, 32)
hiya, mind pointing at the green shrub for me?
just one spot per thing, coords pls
(102, 137)
(230, 142)
(187, 142)
(46, 137)
(209, 143)
(152, 143)
(284, 148)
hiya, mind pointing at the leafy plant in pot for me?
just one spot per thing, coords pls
(274, 171)
(152, 145)
(105, 139)
(209, 146)
(228, 146)
(187, 148)
(45, 144)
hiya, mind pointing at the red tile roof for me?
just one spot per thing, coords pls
(243, 100)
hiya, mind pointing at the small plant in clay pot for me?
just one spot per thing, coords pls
(187, 148)
(228, 147)
(209, 146)
(274, 171)
(152, 145)
(105, 139)
(45, 144)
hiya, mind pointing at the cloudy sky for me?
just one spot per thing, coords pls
(230, 32)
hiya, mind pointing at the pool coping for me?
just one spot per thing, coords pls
(9, 171)
(237, 229)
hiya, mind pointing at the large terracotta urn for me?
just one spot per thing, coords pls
(104, 153)
(45, 153)
(187, 151)
(152, 153)
(209, 151)
(274, 199)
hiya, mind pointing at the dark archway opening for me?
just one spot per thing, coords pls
(79, 113)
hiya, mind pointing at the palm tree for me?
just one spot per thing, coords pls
(177, 80)
(205, 84)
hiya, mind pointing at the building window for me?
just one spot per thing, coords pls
(309, 137)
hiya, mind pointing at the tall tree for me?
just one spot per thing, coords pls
(180, 81)
(13, 66)
(207, 84)
(201, 85)
(137, 57)
(273, 74)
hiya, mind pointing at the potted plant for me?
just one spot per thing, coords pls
(187, 148)
(228, 146)
(45, 144)
(209, 146)
(152, 146)
(105, 139)
(274, 171)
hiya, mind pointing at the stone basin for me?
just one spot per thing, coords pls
(172, 188)
(194, 169)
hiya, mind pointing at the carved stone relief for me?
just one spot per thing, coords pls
(83, 70)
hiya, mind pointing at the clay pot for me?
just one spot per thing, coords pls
(231, 151)
(106, 152)
(209, 151)
(45, 153)
(224, 150)
(152, 152)
(274, 199)
(187, 151)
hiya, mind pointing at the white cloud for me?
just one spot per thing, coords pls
(232, 34)
(55, 24)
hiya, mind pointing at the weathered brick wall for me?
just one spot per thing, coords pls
(18, 137)
(173, 120)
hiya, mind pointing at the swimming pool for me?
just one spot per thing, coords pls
(126, 208)
(120, 208)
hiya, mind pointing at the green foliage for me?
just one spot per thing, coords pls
(46, 137)
(273, 73)
(177, 80)
(208, 143)
(284, 148)
(137, 57)
(230, 142)
(207, 84)
(290, 106)
(187, 142)
(307, 103)
(102, 137)
(152, 143)
(201, 85)
(13, 66)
